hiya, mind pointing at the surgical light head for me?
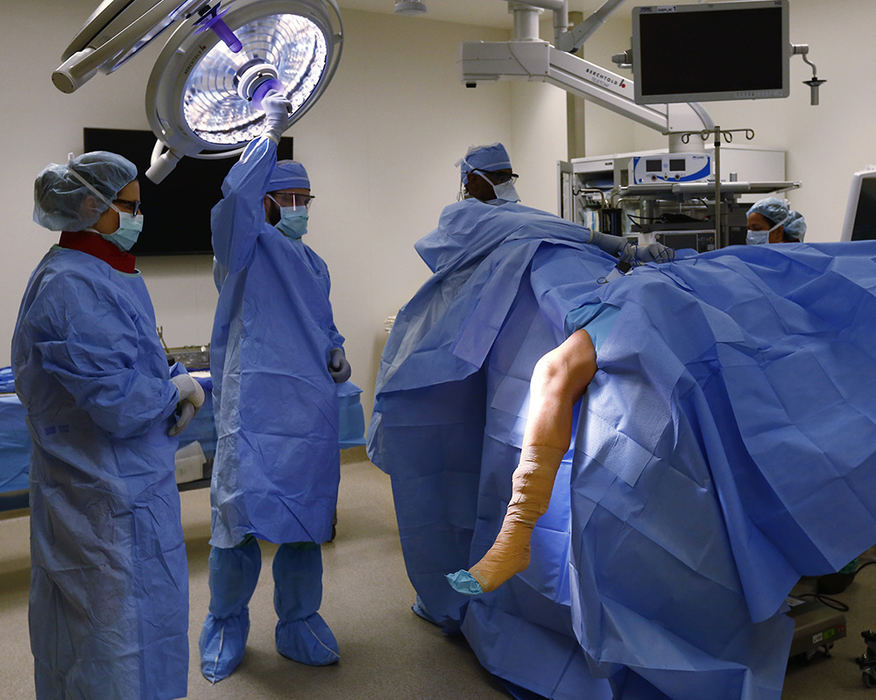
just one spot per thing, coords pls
(203, 99)
(778, 212)
(486, 158)
(63, 202)
(204, 96)
(288, 174)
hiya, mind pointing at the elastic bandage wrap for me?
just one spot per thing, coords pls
(532, 484)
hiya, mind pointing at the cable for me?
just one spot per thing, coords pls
(825, 600)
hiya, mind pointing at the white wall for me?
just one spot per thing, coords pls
(379, 146)
(824, 144)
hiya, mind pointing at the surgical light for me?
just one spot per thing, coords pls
(204, 95)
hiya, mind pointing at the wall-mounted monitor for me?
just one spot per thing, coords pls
(176, 213)
(859, 223)
(711, 51)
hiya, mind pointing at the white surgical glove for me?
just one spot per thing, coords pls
(338, 366)
(277, 115)
(653, 252)
(608, 243)
(191, 398)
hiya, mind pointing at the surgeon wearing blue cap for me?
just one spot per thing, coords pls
(486, 175)
(109, 578)
(771, 220)
(275, 359)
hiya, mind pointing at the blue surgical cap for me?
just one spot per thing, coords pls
(487, 158)
(63, 202)
(288, 174)
(779, 212)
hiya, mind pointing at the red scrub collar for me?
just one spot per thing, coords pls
(96, 245)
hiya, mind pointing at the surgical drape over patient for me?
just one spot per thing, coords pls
(731, 415)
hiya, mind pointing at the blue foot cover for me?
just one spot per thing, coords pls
(463, 582)
(222, 644)
(307, 641)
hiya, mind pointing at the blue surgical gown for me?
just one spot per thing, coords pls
(731, 418)
(277, 464)
(109, 580)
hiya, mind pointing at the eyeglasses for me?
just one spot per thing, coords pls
(132, 204)
(292, 199)
(498, 178)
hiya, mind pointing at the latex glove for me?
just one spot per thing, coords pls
(191, 398)
(608, 243)
(338, 366)
(653, 252)
(277, 115)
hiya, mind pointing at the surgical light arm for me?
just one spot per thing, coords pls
(82, 65)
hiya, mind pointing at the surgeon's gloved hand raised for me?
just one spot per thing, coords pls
(191, 398)
(338, 366)
(278, 115)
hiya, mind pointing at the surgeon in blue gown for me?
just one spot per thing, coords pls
(109, 581)
(276, 357)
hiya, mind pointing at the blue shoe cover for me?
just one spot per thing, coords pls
(222, 644)
(307, 641)
(419, 609)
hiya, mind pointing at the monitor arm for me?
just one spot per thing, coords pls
(528, 57)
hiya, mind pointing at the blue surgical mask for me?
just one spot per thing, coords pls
(761, 237)
(293, 222)
(128, 232)
(757, 237)
(506, 192)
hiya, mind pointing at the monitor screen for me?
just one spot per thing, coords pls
(860, 219)
(176, 213)
(711, 51)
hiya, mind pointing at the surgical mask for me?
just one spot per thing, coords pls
(293, 222)
(504, 191)
(761, 237)
(126, 235)
(757, 237)
(128, 232)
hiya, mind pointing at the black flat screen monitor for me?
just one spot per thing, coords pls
(176, 213)
(859, 223)
(711, 51)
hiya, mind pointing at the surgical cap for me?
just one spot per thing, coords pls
(779, 212)
(288, 174)
(487, 158)
(62, 202)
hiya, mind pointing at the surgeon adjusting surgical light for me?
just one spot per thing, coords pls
(204, 96)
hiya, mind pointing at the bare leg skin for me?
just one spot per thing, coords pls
(558, 381)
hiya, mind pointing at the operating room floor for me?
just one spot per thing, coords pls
(386, 651)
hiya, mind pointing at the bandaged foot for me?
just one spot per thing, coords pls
(533, 481)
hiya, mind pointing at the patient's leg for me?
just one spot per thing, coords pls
(558, 381)
(533, 482)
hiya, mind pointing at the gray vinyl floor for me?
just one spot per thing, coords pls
(386, 651)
